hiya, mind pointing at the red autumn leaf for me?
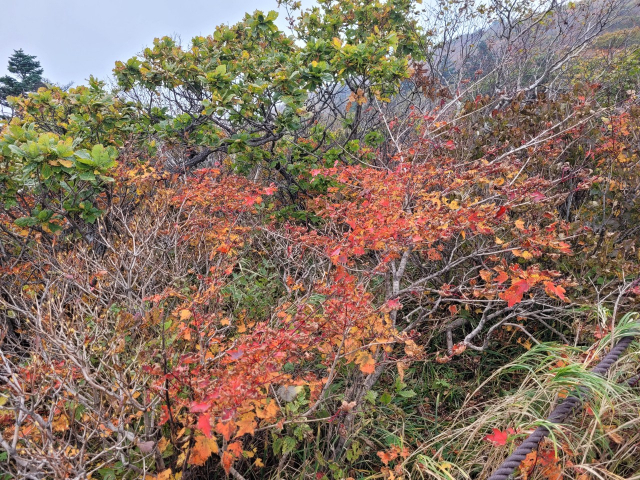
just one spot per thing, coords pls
(555, 290)
(359, 251)
(502, 277)
(253, 200)
(600, 332)
(515, 292)
(394, 304)
(549, 462)
(204, 424)
(199, 407)
(499, 437)
(537, 197)
(235, 354)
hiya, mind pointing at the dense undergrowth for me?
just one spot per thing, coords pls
(384, 245)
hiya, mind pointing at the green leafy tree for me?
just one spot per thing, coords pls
(26, 76)
(276, 102)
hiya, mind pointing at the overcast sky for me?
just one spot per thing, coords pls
(77, 38)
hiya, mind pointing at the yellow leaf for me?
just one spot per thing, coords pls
(454, 205)
(164, 475)
(245, 426)
(524, 254)
(163, 444)
(185, 314)
(60, 424)
(258, 463)
(520, 224)
(337, 42)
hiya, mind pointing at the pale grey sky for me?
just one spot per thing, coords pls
(77, 38)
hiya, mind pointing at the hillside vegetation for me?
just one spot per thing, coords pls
(380, 245)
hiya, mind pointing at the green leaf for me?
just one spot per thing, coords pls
(407, 393)
(103, 157)
(26, 222)
(371, 397)
(289, 445)
(45, 215)
(17, 150)
(87, 176)
(46, 171)
(85, 157)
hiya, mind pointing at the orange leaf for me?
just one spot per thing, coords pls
(502, 277)
(233, 451)
(527, 465)
(458, 348)
(227, 461)
(226, 429)
(486, 275)
(386, 457)
(366, 362)
(202, 450)
(555, 290)
(246, 426)
(269, 411)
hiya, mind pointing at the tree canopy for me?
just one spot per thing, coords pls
(26, 76)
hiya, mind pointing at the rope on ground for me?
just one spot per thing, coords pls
(558, 415)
